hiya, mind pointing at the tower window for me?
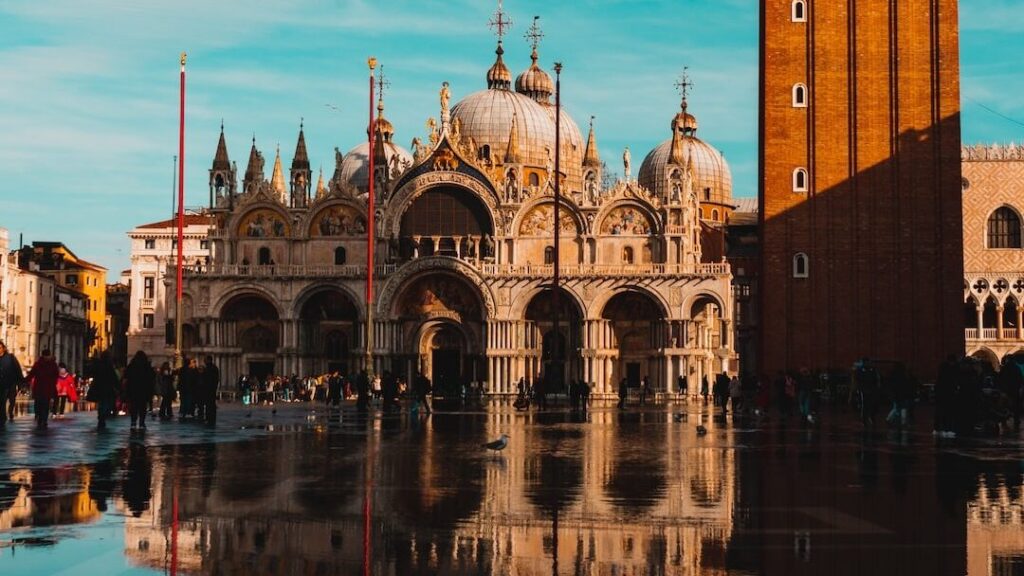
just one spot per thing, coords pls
(800, 180)
(627, 255)
(549, 255)
(147, 320)
(799, 11)
(1004, 229)
(800, 265)
(339, 256)
(707, 194)
(799, 96)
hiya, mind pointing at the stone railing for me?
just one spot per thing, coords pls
(486, 268)
(991, 334)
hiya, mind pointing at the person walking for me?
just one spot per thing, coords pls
(67, 390)
(704, 387)
(43, 377)
(208, 384)
(165, 388)
(721, 391)
(102, 388)
(422, 389)
(188, 384)
(736, 393)
(377, 394)
(11, 376)
(141, 384)
(645, 384)
(362, 391)
(682, 385)
(623, 392)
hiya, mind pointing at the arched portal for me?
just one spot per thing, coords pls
(328, 322)
(553, 355)
(705, 337)
(447, 221)
(637, 323)
(442, 317)
(256, 329)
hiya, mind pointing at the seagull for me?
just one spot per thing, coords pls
(701, 430)
(497, 445)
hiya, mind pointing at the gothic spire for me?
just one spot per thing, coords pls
(220, 159)
(301, 159)
(321, 190)
(277, 179)
(512, 153)
(591, 158)
(254, 170)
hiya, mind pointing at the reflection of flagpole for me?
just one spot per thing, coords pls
(181, 218)
(372, 62)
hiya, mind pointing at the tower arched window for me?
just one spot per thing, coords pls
(1004, 229)
(340, 257)
(627, 255)
(799, 11)
(801, 265)
(549, 255)
(799, 96)
(800, 180)
(263, 258)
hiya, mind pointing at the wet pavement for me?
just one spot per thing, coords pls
(297, 489)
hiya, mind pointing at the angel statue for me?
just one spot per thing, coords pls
(432, 127)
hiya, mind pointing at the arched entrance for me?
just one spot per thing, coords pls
(442, 316)
(553, 356)
(256, 327)
(328, 322)
(704, 338)
(637, 323)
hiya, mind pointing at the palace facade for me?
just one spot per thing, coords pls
(464, 254)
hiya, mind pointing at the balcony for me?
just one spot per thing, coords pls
(973, 334)
(147, 303)
(486, 268)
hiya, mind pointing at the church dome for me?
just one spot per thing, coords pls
(535, 82)
(712, 179)
(355, 167)
(486, 116)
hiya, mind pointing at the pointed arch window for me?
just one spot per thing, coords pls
(714, 215)
(801, 265)
(627, 255)
(799, 11)
(800, 180)
(1004, 229)
(799, 96)
(340, 256)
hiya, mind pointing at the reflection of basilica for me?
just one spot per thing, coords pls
(464, 240)
(995, 527)
(582, 499)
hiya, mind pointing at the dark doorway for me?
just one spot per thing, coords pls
(339, 367)
(633, 374)
(260, 370)
(446, 373)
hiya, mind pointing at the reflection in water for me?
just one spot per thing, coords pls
(633, 494)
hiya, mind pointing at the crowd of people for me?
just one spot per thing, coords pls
(114, 392)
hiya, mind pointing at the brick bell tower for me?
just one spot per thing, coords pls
(860, 199)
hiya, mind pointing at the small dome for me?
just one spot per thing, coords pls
(499, 76)
(687, 121)
(535, 82)
(712, 179)
(355, 167)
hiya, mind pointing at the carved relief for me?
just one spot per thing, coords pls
(434, 296)
(445, 160)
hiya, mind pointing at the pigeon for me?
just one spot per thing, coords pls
(679, 417)
(701, 430)
(497, 445)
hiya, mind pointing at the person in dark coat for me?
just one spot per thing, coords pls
(623, 392)
(11, 376)
(208, 384)
(422, 389)
(1011, 381)
(188, 384)
(165, 388)
(389, 389)
(43, 376)
(141, 385)
(103, 388)
(362, 391)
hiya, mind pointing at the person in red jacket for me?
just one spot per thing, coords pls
(67, 390)
(43, 377)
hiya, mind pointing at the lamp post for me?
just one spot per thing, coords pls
(372, 63)
(181, 220)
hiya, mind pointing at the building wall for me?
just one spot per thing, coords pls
(881, 219)
(70, 322)
(31, 302)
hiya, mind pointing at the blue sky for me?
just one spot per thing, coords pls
(88, 90)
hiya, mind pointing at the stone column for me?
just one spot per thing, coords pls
(999, 322)
(980, 308)
(1020, 318)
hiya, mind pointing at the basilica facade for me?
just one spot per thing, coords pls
(464, 253)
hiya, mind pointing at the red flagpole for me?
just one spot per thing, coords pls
(181, 217)
(372, 62)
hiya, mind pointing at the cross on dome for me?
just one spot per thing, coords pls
(382, 82)
(499, 22)
(684, 84)
(534, 34)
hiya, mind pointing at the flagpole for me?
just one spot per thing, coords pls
(372, 62)
(556, 359)
(181, 219)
